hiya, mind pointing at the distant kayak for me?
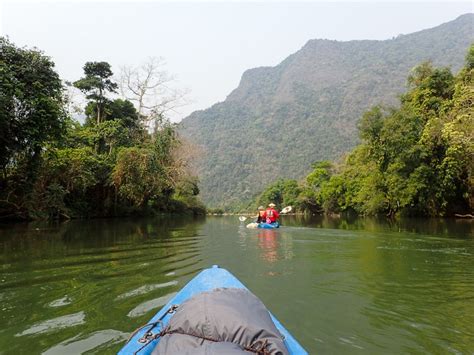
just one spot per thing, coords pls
(263, 225)
(269, 225)
(237, 322)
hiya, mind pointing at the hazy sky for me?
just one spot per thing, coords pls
(207, 45)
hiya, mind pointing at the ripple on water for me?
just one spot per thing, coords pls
(350, 342)
(60, 302)
(144, 307)
(146, 289)
(78, 345)
(66, 321)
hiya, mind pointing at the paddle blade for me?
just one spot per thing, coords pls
(242, 218)
(286, 209)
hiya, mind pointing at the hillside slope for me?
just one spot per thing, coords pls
(281, 119)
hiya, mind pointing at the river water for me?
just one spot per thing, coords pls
(340, 286)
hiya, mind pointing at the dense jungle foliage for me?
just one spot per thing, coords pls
(54, 167)
(281, 119)
(417, 159)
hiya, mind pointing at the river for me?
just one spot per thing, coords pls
(339, 285)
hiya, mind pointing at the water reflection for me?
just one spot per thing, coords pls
(268, 244)
(69, 320)
(448, 227)
(146, 289)
(63, 301)
(149, 305)
(79, 345)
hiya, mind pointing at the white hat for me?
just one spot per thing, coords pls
(271, 205)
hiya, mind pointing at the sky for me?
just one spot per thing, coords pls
(206, 45)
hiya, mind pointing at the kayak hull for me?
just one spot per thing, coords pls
(206, 280)
(269, 225)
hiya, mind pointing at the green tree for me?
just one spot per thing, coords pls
(310, 198)
(124, 111)
(109, 135)
(138, 176)
(117, 109)
(31, 117)
(71, 183)
(31, 104)
(282, 193)
(431, 90)
(96, 84)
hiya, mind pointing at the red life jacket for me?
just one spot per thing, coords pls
(271, 215)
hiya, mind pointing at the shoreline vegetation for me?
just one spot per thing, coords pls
(127, 159)
(331, 215)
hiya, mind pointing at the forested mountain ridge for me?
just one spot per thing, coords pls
(281, 119)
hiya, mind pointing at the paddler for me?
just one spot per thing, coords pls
(271, 215)
(261, 214)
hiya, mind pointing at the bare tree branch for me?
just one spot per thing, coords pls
(148, 86)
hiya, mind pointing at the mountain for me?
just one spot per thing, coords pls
(281, 119)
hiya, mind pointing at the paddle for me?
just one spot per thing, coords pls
(283, 211)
